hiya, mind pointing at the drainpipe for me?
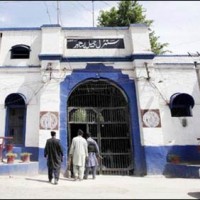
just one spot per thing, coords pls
(198, 73)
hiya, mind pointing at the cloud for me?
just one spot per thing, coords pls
(2, 19)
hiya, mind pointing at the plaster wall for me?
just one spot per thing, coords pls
(155, 94)
(27, 84)
(51, 42)
(31, 38)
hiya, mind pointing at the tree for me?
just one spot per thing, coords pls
(130, 12)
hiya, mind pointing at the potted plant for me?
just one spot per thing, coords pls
(174, 158)
(25, 157)
(11, 157)
(9, 147)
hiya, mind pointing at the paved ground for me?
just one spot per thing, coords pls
(104, 187)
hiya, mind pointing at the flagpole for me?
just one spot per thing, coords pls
(58, 22)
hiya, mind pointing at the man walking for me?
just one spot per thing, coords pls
(93, 152)
(79, 153)
(54, 153)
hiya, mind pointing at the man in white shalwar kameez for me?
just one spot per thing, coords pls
(79, 153)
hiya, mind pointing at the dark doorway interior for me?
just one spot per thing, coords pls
(102, 109)
(73, 131)
(16, 117)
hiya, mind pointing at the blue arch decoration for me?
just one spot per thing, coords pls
(100, 71)
(13, 101)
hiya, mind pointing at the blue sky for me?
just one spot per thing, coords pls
(176, 22)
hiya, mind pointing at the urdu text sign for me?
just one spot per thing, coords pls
(107, 43)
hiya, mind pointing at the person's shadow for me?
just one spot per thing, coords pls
(38, 180)
(46, 181)
(194, 194)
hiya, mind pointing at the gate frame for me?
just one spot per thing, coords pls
(98, 110)
(123, 82)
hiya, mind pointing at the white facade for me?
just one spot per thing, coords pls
(156, 79)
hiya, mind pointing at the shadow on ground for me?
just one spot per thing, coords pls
(46, 181)
(38, 180)
(194, 194)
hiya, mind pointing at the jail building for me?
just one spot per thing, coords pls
(141, 108)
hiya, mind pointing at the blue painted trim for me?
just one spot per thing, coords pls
(43, 161)
(157, 158)
(100, 71)
(97, 59)
(42, 164)
(51, 26)
(19, 169)
(19, 150)
(50, 56)
(181, 170)
(33, 150)
(142, 56)
(129, 58)
(95, 28)
(20, 29)
(70, 28)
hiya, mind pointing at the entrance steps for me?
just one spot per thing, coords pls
(19, 168)
(182, 170)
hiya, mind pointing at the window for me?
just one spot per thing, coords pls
(1, 38)
(20, 52)
(181, 105)
(16, 112)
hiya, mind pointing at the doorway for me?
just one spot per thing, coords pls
(16, 118)
(101, 108)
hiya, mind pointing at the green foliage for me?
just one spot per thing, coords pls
(10, 154)
(156, 46)
(26, 154)
(130, 12)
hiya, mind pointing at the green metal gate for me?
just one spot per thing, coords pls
(101, 108)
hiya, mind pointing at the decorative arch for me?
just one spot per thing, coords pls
(15, 105)
(100, 71)
(100, 107)
(20, 51)
(181, 105)
(15, 99)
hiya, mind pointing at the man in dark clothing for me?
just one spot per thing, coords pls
(54, 153)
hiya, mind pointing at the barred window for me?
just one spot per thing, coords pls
(181, 105)
(20, 51)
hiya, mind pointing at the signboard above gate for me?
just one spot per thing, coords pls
(107, 43)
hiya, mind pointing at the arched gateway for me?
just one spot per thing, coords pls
(101, 108)
(103, 100)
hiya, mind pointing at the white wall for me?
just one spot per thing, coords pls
(167, 78)
(51, 40)
(11, 38)
(27, 84)
(168, 75)
(140, 42)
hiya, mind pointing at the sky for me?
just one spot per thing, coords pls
(175, 22)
